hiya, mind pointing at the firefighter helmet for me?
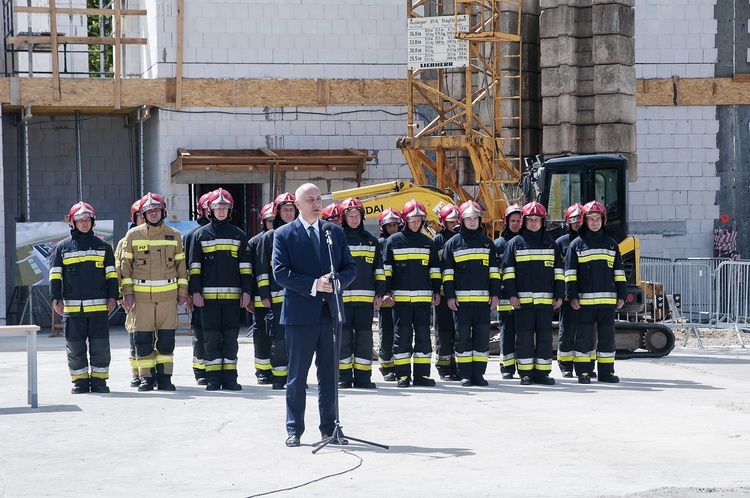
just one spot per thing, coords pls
(352, 203)
(448, 212)
(81, 210)
(533, 208)
(153, 201)
(285, 198)
(595, 207)
(414, 208)
(266, 212)
(390, 215)
(203, 211)
(135, 210)
(513, 208)
(573, 214)
(220, 198)
(331, 212)
(470, 208)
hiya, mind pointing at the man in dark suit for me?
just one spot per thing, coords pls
(302, 266)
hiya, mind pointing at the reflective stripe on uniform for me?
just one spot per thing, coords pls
(221, 292)
(417, 296)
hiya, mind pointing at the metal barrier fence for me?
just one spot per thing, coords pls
(697, 292)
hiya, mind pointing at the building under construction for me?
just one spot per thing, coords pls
(105, 100)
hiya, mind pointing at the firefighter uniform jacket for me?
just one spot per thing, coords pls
(370, 279)
(563, 242)
(83, 274)
(503, 305)
(532, 269)
(267, 286)
(440, 240)
(153, 266)
(412, 269)
(470, 268)
(252, 247)
(220, 267)
(594, 273)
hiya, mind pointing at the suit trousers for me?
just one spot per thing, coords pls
(302, 341)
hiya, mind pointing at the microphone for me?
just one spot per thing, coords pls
(327, 227)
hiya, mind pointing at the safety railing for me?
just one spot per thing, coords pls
(733, 298)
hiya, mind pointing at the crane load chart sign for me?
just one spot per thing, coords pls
(432, 43)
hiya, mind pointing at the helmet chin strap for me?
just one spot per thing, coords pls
(161, 219)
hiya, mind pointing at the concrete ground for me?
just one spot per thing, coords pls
(677, 426)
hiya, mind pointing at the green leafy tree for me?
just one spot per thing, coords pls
(94, 24)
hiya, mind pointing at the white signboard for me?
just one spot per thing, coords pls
(432, 43)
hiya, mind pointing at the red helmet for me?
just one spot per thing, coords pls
(153, 201)
(390, 215)
(414, 208)
(220, 198)
(470, 208)
(513, 208)
(266, 211)
(285, 198)
(533, 208)
(573, 214)
(448, 212)
(352, 203)
(80, 210)
(135, 209)
(595, 207)
(203, 211)
(331, 212)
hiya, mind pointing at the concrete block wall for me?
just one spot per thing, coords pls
(339, 127)
(281, 39)
(673, 204)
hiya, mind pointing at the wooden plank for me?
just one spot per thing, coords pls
(54, 54)
(73, 40)
(180, 37)
(117, 55)
(20, 9)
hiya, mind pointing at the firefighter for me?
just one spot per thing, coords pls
(512, 222)
(262, 335)
(135, 219)
(83, 289)
(391, 222)
(568, 316)
(412, 276)
(332, 214)
(199, 367)
(596, 287)
(471, 281)
(272, 294)
(444, 326)
(220, 283)
(154, 284)
(361, 297)
(535, 282)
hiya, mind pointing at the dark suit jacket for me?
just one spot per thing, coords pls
(295, 267)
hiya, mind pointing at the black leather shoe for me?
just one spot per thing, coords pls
(231, 386)
(80, 388)
(584, 379)
(213, 386)
(424, 381)
(135, 381)
(365, 385)
(292, 441)
(344, 384)
(567, 374)
(390, 377)
(526, 381)
(465, 382)
(201, 381)
(480, 381)
(609, 379)
(507, 375)
(146, 384)
(100, 388)
(403, 382)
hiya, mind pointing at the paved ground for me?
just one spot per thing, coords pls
(679, 426)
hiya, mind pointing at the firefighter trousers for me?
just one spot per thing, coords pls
(355, 351)
(279, 355)
(199, 367)
(472, 344)
(508, 342)
(262, 340)
(566, 337)
(154, 337)
(534, 341)
(130, 327)
(445, 332)
(88, 334)
(385, 340)
(221, 328)
(593, 324)
(411, 336)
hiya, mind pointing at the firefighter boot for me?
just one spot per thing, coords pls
(345, 377)
(200, 376)
(99, 386)
(164, 381)
(213, 380)
(388, 374)
(229, 381)
(363, 379)
(478, 370)
(147, 384)
(80, 386)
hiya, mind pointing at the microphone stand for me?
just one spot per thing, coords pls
(337, 436)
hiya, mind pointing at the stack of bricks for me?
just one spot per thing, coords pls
(588, 77)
